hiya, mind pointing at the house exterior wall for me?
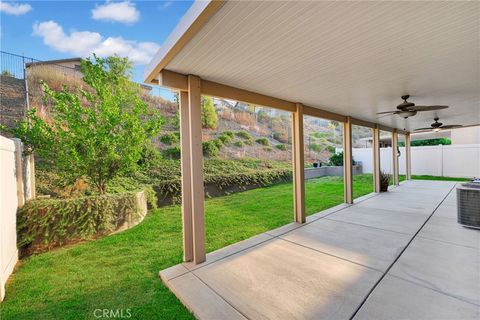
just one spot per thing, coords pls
(469, 135)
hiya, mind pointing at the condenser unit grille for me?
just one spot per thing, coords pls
(468, 205)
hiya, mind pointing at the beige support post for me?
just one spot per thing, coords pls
(186, 177)
(298, 164)
(196, 164)
(395, 157)
(408, 157)
(347, 161)
(19, 171)
(376, 159)
(32, 177)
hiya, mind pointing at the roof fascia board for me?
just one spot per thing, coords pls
(196, 17)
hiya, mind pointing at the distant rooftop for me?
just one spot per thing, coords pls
(57, 61)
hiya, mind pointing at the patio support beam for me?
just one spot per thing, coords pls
(376, 159)
(347, 161)
(363, 123)
(395, 157)
(185, 162)
(195, 174)
(408, 157)
(298, 164)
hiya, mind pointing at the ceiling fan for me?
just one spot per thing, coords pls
(409, 109)
(437, 126)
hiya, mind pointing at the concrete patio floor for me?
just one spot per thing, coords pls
(395, 255)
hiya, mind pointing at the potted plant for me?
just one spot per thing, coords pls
(384, 181)
(315, 164)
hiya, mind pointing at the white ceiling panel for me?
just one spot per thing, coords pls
(353, 58)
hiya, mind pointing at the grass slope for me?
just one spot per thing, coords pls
(121, 271)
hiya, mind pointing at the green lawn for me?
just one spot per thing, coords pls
(121, 271)
(425, 177)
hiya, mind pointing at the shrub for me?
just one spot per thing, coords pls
(229, 133)
(337, 159)
(281, 147)
(210, 149)
(316, 147)
(331, 149)
(263, 117)
(226, 139)
(263, 141)
(268, 149)
(239, 144)
(171, 153)
(318, 135)
(209, 115)
(218, 143)
(281, 136)
(47, 223)
(244, 135)
(248, 142)
(170, 138)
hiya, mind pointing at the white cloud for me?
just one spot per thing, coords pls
(84, 43)
(124, 12)
(15, 9)
(165, 5)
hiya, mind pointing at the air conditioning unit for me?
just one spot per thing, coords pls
(468, 204)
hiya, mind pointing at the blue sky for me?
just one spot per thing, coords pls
(63, 29)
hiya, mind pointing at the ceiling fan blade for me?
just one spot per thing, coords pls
(385, 115)
(427, 108)
(451, 126)
(423, 129)
(387, 112)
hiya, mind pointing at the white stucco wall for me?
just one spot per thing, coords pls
(8, 211)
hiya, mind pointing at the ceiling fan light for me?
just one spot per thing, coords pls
(436, 129)
(406, 114)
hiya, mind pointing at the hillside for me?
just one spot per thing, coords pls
(256, 132)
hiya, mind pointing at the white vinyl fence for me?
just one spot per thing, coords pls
(461, 160)
(16, 187)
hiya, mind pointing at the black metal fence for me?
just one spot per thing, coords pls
(21, 67)
(53, 73)
(13, 65)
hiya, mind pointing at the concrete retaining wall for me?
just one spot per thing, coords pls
(312, 173)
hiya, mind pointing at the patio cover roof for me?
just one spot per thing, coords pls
(351, 58)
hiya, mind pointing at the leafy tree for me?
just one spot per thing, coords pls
(98, 132)
(209, 115)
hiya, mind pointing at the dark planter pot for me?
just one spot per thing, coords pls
(383, 187)
(315, 164)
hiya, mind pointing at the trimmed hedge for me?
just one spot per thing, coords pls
(173, 187)
(46, 223)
